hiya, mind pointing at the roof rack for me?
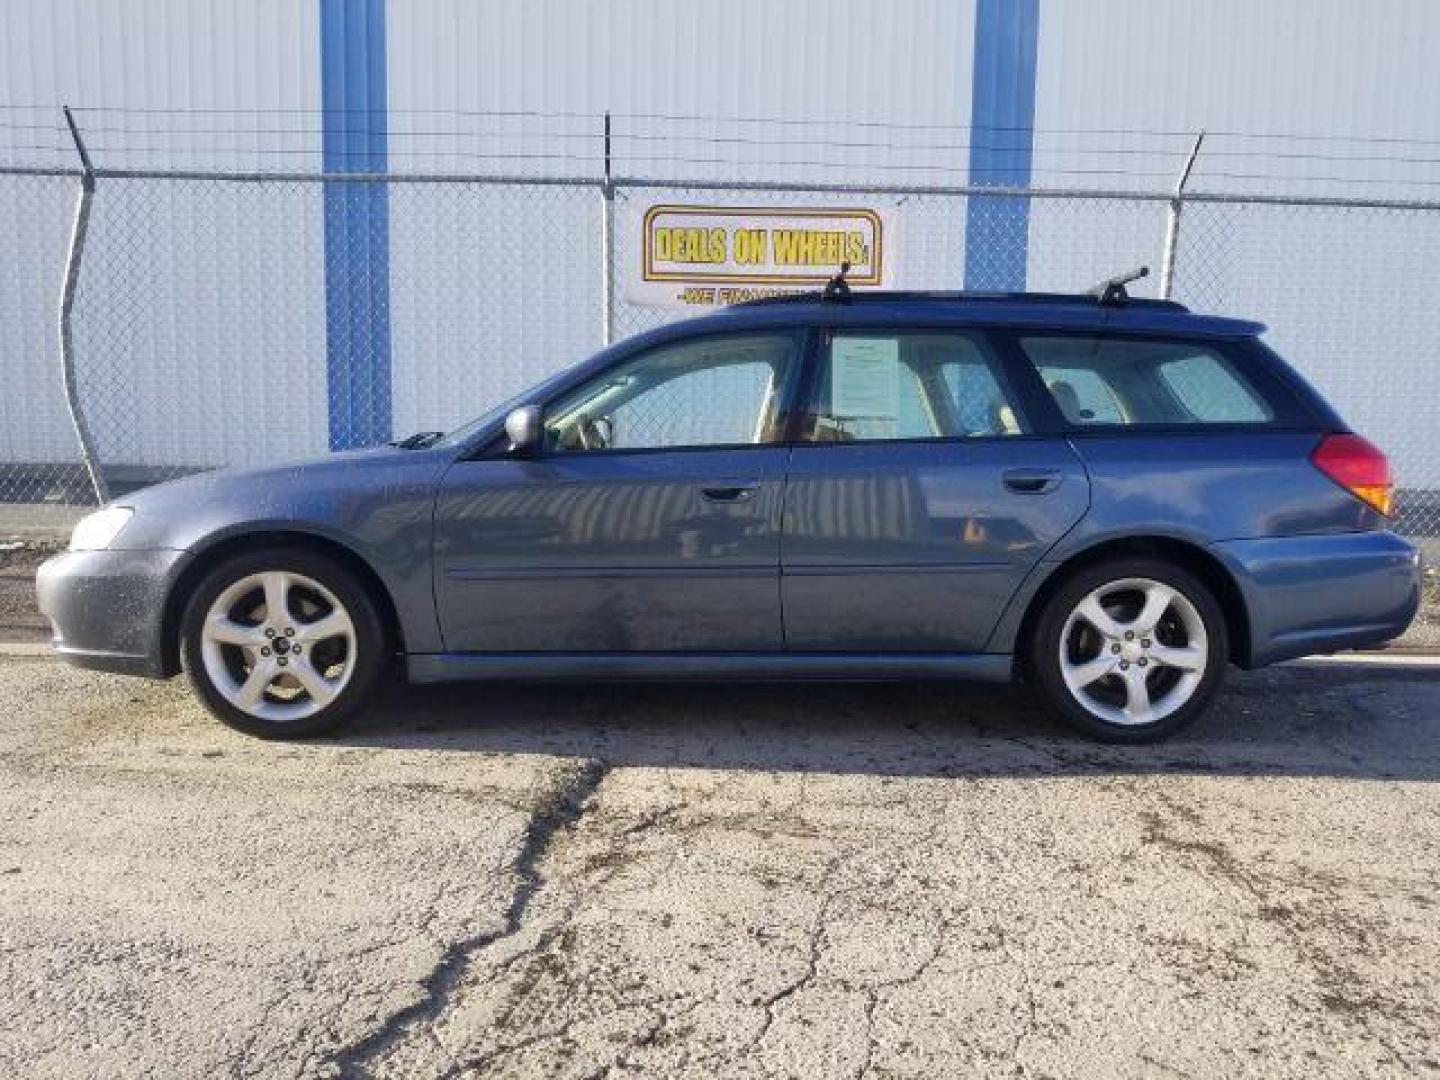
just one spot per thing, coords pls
(890, 296)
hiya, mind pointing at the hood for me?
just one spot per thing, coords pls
(327, 493)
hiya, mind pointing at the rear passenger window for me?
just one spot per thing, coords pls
(912, 385)
(1128, 381)
(1210, 391)
(1083, 396)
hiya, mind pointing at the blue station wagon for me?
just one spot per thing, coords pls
(1110, 498)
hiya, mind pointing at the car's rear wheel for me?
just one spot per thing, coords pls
(1130, 650)
(282, 642)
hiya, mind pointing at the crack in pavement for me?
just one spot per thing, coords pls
(814, 947)
(561, 808)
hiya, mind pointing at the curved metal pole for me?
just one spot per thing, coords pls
(1172, 223)
(73, 258)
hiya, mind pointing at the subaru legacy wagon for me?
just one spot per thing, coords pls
(1111, 499)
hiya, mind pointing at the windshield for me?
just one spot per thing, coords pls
(468, 430)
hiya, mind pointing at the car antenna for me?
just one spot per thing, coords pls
(1111, 292)
(837, 289)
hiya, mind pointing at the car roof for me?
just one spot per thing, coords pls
(1058, 311)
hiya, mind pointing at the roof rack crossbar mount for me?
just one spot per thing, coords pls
(1111, 292)
(837, 289)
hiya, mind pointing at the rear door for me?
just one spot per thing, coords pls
(919, 495)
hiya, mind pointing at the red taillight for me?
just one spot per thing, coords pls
(1359, 467)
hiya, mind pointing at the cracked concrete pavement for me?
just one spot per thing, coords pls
(909, 880)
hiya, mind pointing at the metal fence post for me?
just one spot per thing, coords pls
(1172, 222)
(73, 257)
(607, 247)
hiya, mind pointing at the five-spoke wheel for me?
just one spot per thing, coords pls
(282, 642)
(1129, 650)
(279, 645)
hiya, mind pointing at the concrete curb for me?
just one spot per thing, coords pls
(1405, 659)
(40, 523)
(25, 649)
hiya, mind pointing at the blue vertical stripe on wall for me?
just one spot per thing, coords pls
(1002, 120)
(357, 222)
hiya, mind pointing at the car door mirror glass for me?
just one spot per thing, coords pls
(524, 429)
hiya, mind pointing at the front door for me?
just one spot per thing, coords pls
(919, 498)
(650, 522)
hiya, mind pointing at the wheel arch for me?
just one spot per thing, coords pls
(1190, 556)
(221, 548)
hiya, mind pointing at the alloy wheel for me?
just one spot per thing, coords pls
(1133, 651)
(278, 645)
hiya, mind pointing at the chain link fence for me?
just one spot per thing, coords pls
(1346, 291)
(39, 459)
(206, 314)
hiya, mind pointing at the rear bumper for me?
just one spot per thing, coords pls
(1313, 594)
(107, 608)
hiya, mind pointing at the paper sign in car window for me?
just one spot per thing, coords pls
(865, 380)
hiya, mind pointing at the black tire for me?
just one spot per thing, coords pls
(1043, 655)
(371, 650)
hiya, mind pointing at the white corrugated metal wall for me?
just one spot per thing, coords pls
(521, 89)
(823, 90)
(1256, 76)
(1300, 97)
(1106, 67)
(680, 76)
(177, 84)
(145, 66)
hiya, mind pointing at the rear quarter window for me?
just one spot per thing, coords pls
(1109, 381)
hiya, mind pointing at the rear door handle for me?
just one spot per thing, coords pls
(738, 491)
(1032, 481)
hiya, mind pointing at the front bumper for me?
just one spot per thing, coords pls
(107, 608)
(1316, 594)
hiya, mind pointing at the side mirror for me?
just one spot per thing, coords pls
(525, 431)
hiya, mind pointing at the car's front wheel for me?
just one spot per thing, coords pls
(282, 642)
(1130, 650)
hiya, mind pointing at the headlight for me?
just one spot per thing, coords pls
(97, 531)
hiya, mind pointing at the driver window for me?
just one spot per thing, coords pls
(718, 391)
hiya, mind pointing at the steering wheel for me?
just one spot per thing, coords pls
(591, 435)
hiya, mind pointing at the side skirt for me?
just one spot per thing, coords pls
(447, 667)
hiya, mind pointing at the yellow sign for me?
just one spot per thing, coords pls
(712, 255)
